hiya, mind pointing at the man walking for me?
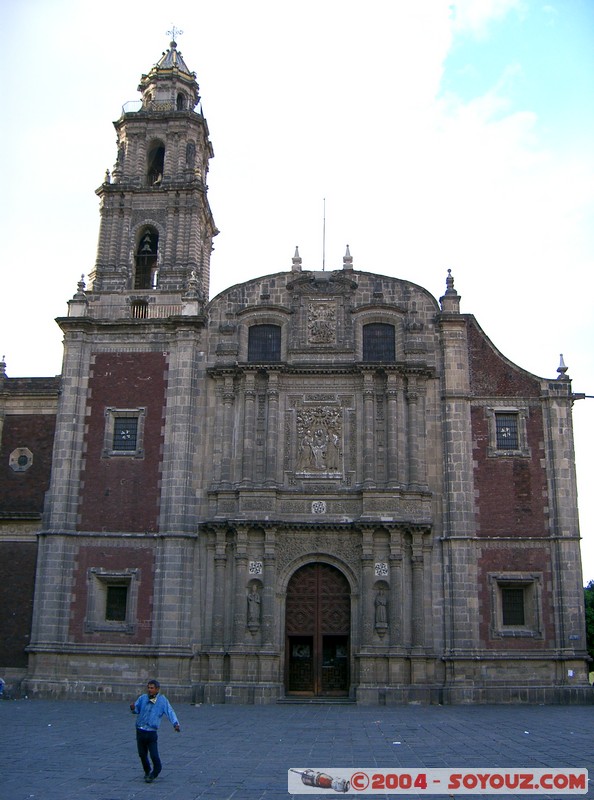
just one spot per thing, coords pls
(150, 707)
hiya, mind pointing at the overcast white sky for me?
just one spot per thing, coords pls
(441, 134)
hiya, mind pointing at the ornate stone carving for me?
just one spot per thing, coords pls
(319, 441)
(321, 323)
(342, 545)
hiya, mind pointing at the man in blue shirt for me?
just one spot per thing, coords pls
(150, 707)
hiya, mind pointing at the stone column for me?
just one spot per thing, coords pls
(368, 428)
(138, 169)
(413, 443)
(272, 433)
(249, 427)
(167, 247)
(112, 247)
(396, 637)
(392, 428)
(227, 431)
(418, 593)
(268, 600)
(241, 560)
(123, 263)
(169, 167)
(563, 507)
(219, 589)
(61, 506)
(183, 434)
(368, 608)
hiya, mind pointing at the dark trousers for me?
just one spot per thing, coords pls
(146, 742)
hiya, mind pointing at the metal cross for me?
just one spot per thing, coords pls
(174, 32)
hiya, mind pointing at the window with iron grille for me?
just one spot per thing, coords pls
(116, 603)
(512, 605)
(264, 343)
(112, 600)
(379, 343)
(506, 431)
(125, 434)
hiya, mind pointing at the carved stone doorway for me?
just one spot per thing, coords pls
(317, 625)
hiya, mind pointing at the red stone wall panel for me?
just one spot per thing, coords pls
(17, 583)
(511, 492)
(520, 560)
(25, 491)
(113, 558)
(491, 375)
(121, 493)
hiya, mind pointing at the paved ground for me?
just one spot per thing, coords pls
(66, 750)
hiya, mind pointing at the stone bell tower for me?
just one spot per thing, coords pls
(156, 224)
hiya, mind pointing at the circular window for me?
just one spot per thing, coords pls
(20, 459)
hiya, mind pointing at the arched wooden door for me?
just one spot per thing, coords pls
(317, 625)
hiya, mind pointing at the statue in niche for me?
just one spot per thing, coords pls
(190, 154)
(381, 610)
(254, 602)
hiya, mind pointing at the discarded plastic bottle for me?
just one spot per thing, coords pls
(322, 781)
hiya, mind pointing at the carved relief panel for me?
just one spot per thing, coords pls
(321, 322)
(319, 441)
(317, 438)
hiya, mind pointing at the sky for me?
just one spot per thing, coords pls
(436, 135)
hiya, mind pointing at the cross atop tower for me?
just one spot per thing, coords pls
(174, 32)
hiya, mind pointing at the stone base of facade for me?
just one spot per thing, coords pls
(239, 693)
(528, 695)
(268, 694)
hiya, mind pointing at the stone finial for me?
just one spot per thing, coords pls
(562, 370)
(450, 302)
(77, 307)
(192, 297)
(3, 367)
(192, 292)
(450, 283)
(107, 178)
(347, 259)
(297, 261)
(80, 289)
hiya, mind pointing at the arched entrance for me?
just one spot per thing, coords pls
(317, 625)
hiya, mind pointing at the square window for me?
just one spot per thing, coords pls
(506, 431)
(116, 602)
(264, 343)
(112, 599)
(515, 605)
(124, 432)
(512, 605)
(379, 342)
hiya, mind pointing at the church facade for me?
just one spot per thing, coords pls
(317, 484)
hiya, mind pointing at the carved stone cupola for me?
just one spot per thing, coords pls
(156, 226)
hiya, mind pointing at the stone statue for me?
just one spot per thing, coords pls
(254, 601)
(381, 609)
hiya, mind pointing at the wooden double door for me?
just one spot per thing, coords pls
(317, 625)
